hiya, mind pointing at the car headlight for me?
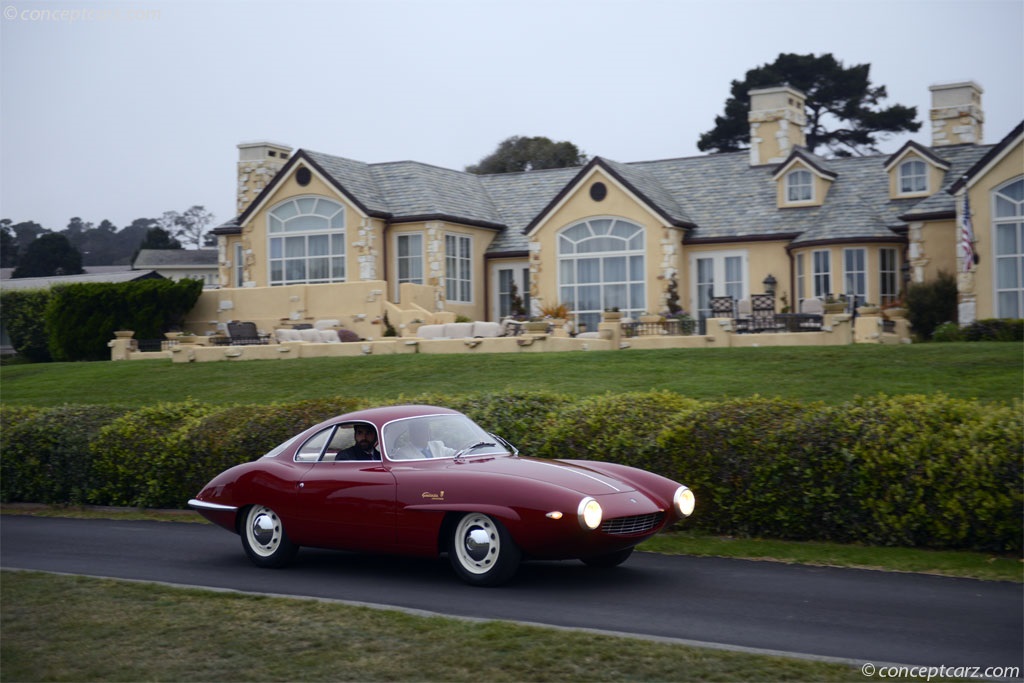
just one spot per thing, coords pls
(589, 513)
(683, 501)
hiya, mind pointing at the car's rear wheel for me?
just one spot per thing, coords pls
(609, 560)
(482, 551)
(264, 538)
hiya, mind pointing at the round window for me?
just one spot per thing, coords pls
(303, 176)
(598, 191)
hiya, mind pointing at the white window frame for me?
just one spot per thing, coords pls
(239, 265)
(572, 251)
(799, 186)
(502, 275)
(285, 231)
(913, 177)
(855, 274)
(821, 276)
(888, 275)
(458, 268)
(801, 280)
(1008, 269)
(409, 260)
(721, 284)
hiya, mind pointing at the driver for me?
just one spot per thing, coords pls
(365, 447)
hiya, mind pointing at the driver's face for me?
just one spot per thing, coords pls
(366, 437)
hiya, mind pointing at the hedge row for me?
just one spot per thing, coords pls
(75, 322)
(912, 470)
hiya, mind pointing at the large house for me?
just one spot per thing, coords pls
(620, 235)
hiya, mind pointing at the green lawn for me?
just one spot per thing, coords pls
(986, 371)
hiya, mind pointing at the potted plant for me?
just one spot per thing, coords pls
(557, 312)
(835, 304)
(612, 314)
(868, 309)
(894, 309)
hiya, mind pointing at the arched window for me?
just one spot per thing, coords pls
(306, 241)
(601, 266)
(1008, 226)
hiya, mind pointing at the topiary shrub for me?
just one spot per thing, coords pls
(46, 453)
(143, 458)
(621, 428)
(762, 467)
(994, 329)
(238, 434)
(940, 472)
(929, 304)
(81, 318)
(21, 312)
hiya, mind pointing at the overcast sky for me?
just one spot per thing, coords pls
(122, 110)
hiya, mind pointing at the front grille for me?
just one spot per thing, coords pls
(637, 524)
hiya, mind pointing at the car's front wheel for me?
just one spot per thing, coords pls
(481, 550)
(264, 538)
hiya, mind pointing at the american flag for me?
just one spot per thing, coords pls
(967, 236)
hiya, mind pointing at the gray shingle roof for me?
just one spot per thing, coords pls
(720, 195)
(175, 258)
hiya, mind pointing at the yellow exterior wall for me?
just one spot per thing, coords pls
(980, 283)
(872, 268)
(661, 243)
(362, 235)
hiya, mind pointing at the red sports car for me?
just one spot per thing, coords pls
(422, 480)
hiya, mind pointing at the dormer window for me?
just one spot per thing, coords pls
(799, 187)
(913, 177)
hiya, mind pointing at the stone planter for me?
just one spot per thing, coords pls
(536, 326)
(835, 308)
(651, 319)
(895, 312)
(868, 310)
(611, 316)
(124, 334)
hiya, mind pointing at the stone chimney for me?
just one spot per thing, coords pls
(957, 117)
(258, 163)
(777, 119)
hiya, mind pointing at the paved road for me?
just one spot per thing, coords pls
(850, 614)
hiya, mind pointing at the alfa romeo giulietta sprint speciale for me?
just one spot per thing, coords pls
(428, 481)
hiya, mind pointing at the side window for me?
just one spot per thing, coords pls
(310, 451)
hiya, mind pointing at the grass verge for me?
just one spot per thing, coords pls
(989, 372)
(65, 628)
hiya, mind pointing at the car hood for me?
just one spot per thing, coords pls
(574, 477)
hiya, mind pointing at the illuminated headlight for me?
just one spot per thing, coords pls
(590, 514)
(683, 501)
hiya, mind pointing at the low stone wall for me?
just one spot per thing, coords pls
(837, 330)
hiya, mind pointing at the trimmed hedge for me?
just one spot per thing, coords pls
(926, 471)
(22, 313)
(46, 454)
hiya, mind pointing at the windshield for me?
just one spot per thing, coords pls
(438, 436)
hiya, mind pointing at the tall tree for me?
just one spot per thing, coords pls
(25, 233)
(527, 154)
(50, 254)
(8, 247)
(158, 238)
(192, 225)
(843, 111)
